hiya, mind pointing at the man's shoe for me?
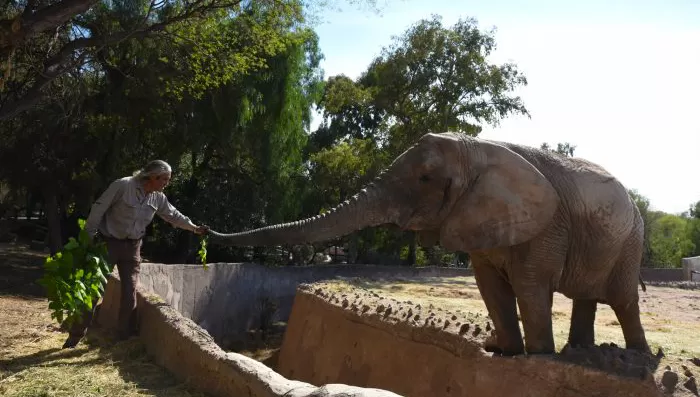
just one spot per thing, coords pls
(71, 342)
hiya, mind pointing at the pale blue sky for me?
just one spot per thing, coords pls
(620, 79)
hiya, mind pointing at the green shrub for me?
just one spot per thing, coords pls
(74, 278)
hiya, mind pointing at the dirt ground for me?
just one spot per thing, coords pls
(32, 362)
(670, 316)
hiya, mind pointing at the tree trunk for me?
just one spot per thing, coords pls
(53, 218)
(434, 256)
(411, 260)
(352, 254)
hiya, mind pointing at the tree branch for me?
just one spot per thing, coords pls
(61, 61)
(33, 23)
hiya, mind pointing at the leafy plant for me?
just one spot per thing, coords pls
(74, 278)
(202, 253)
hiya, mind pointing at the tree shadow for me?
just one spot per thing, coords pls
(101, 348)
(20, 268)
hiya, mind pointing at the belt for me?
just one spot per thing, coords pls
(122, 239)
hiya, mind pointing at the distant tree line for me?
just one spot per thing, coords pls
(224, 91)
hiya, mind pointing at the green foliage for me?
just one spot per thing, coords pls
(694, 235)
(75, 278)
(221, 49)
(340, 171)
(565, 149)
(432, 78)
(202, 252)
(435, 78)
(694, 211)
(670, 241)
(648, 217)
(421, 259)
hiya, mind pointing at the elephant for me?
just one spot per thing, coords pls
(534, 222)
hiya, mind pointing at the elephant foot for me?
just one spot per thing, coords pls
(540, 349)
(491, 346)
(639, 346)
(579, 345)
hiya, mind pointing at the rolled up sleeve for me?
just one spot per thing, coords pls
(170, 214)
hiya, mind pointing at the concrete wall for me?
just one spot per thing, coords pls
(353, 339)
(690, 271)
(691, 268)
(649, 274)
(190, 353)
(227, 298)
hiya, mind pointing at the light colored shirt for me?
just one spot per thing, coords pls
(124, 210)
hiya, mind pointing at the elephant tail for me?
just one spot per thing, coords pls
(644, 287)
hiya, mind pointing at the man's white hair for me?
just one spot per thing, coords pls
(153, 168)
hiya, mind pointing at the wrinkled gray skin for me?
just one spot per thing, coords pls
(533, 222)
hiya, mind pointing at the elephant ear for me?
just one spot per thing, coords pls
(509, 202)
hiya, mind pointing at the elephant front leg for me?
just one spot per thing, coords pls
(581, 332)
(536, 313)
(499, 298)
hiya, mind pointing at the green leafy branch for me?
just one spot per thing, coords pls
(75, 278)
(202, 253)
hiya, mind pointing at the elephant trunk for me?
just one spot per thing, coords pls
(362, 210)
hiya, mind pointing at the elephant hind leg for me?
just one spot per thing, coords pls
(499, 298)
(623, 294)
(581, 331)
(628, 316)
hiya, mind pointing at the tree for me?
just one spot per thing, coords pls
(430, 79)
(670, 241)
(648, 217)
(30, 28)
(42, 40)
(694, 210)
(565, 149)
(139, 99)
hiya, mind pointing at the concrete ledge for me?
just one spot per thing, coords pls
(662, 274)
(691, 268)
(228, 298)
(191, 354)
(361, 338)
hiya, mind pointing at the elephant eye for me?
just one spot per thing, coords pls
(424, 178)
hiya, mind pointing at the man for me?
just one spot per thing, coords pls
(121, 216)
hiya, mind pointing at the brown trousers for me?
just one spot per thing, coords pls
(126, 255)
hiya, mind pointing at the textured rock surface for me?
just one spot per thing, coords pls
(359, 337)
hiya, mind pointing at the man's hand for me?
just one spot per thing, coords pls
(201, 229)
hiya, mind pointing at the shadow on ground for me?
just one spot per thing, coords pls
(97, 357)
(20, 268)
(32, 362)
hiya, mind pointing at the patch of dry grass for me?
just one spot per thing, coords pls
(32, 362)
